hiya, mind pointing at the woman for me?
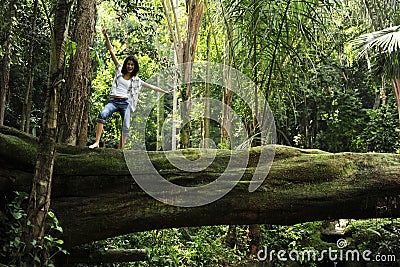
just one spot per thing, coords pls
(123, 96)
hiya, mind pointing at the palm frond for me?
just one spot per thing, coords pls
(384, 41)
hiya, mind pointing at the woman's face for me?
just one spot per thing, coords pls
(130, 66)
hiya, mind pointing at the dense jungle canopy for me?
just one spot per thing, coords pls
(299, 54)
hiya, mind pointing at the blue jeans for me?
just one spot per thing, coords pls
(122, 106)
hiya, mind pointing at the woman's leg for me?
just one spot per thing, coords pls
(107, 111)
(99, 130)
(122, 141)
(125, 112)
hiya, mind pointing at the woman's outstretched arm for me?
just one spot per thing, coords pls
(109, 45)
(155, 88)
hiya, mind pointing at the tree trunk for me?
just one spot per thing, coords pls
(95, 197)
(396, 90)
(194, 10)
(207, 112)
(83, 130)
(256, 127)
(185, 51)
(39, 200)
(74, 110)
(226, 125)
(27, 104)
(6, 60)
(231, 237)
(160, 121)
(226, 121)
(255, 238)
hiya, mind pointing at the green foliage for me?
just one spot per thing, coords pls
(299, 237)
(11, 235)
(342, 123)
(205, 246)
(194, 246)
(382, 132)
(11, 230)
(21, 37)
(380, 236)
(288, 237)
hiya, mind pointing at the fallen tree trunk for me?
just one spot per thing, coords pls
(95, 197)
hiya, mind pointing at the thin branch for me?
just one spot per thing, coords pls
(171, 29)
(47, 15)
(176, 19)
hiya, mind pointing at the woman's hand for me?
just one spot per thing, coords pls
(104, 30)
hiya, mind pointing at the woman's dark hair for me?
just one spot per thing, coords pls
(135, 62)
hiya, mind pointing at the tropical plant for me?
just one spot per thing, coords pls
(380, 236)
(382, 131)
(12, 220)
(382, 50)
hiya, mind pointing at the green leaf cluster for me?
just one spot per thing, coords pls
(11, 235)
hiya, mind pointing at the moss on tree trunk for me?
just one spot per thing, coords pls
(95, 196)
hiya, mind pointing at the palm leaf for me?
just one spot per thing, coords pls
(383, 49)
(384, 41)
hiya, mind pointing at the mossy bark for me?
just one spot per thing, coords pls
(95, 196)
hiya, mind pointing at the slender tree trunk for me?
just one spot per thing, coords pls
(226, 122)
(383, 96)
(207, 112)
(39, 200)
(256, 126)
(396, 89)
(231, 237)
(160, 121)
(74, 110)
(177, 58)
(185, 51)
(175, 117)
(27, 105)
(226, 125)
(255, 238)
(194, 9)
(6, 61)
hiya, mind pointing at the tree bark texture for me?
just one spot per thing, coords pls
(207, 109)
(226, 123)
(95, 197)
(39, 200)
(27, 104)
(185, 52)
(6, 60)
(396, 90)
(160, 122)
(74, 111)
(194, 10)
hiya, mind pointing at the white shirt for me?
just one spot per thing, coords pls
(126, 88)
